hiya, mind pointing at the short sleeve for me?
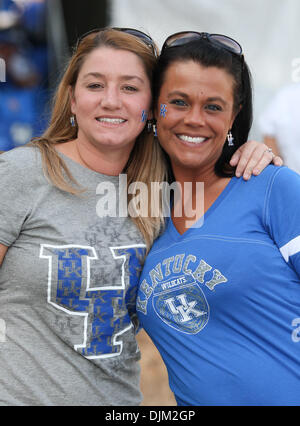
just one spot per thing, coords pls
(14, 200)
(282, 214)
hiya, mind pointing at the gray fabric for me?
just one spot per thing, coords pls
(69, 338)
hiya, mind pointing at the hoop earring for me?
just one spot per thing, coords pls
(72, 121)
(230, 139)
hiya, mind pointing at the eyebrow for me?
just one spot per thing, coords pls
(123, 77)
(185, 96)
(217, 99)
(177, 93)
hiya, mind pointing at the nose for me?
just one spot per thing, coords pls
(111, 98)
(195, 116)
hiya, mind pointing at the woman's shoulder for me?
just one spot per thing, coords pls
(278, 181)
(281, 174)
(21, 164)
(271, 181)
(22, 153)
(23, 158)
(271, 173)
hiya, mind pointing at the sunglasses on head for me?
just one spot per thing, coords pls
(136, 33)
(219, 40)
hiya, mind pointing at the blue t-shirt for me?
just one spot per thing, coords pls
(222, 301)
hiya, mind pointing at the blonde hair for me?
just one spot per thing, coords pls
(146, 163)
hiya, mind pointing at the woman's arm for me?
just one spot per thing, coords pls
(252, 157)
(281, 215)
(3, 250)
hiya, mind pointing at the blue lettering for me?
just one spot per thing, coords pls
(106, 310)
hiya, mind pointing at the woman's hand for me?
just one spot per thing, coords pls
(251, 158)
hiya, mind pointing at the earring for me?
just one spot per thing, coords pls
(149, 126)
(154, 130)
(72, 121)
(230, 139)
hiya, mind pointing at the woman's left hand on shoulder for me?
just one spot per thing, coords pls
(252, 157)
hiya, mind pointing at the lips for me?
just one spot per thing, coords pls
(192, 139)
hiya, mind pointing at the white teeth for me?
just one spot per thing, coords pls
(111, 120)
(186, 138)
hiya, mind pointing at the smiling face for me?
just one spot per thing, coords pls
(111, 93)
(199, 114)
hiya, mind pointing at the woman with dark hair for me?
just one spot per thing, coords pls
(219, 293)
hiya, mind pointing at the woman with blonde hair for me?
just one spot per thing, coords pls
(69, 273)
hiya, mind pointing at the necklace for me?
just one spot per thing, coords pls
(91, 168)
(82, 160)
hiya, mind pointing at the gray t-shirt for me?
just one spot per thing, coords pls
(67, 290)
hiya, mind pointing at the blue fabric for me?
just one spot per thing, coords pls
(220, 300)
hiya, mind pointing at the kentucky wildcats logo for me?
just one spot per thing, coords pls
(181, 304)
(104, 309)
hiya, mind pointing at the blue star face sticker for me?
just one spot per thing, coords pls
(163, 110)
(144, 116)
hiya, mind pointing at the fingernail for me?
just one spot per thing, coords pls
(246, 176)
(256, 172)
(238, 174)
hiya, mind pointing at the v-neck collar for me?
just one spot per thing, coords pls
(201, 221)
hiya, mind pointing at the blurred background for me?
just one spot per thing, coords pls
(36, 38)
